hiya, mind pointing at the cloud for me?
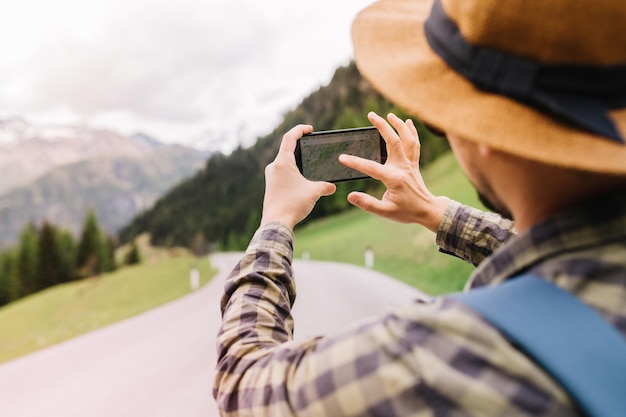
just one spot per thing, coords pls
(176, 67)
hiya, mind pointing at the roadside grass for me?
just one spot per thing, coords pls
(405, 252)
(68, 310)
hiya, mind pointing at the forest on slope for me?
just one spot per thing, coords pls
(220, 207)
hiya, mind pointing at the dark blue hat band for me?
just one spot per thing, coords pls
(581, 95)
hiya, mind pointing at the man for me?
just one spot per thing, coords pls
(532, 97)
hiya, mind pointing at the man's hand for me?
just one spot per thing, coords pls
(406, 200)
(289, 197)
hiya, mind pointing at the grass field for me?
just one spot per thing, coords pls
(68, 310)
(406, 252)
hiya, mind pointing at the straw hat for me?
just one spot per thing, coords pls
(545, 80)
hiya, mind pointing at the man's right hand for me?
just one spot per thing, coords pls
(289, 197)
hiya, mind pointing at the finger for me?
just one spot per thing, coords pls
(409, 136)
(411, 143)
(326, 188)
(406, 129)
(412, 129)
(415, 143)
(403, 130)
(394, 145)
(288, 144)
(368, 203)
(366, 166)
(400, 126)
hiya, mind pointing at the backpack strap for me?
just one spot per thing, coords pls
(582, 351)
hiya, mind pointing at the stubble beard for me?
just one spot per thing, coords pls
(494, 204)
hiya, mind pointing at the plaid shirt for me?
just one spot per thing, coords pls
(435, 359)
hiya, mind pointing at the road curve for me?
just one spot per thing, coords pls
(160, 363)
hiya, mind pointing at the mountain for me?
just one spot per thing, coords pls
(57, 173)
(28, 151)
(221, 204)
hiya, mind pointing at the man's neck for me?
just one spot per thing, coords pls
(541, 191)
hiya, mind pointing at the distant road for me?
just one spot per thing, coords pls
(160, 363)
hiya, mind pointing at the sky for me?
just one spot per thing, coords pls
(204, 73)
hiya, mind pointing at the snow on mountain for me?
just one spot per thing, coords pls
(11, 130)
(146, 139)
(28, 151)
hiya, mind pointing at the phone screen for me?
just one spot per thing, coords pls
(318, 153)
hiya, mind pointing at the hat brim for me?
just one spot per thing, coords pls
(392, 52)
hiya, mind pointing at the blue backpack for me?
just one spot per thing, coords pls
(583, 352)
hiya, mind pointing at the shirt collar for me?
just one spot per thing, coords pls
(591, 224)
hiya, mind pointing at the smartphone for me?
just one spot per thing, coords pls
(317, 153)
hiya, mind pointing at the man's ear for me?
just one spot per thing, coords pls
(485, 151)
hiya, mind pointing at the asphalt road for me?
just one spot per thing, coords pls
(160, 363)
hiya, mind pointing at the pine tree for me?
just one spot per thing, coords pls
(8, 290)
(67, 249)
(28, 263)
(109, 245)
(50, 260)
(91, 255)
(132, 257)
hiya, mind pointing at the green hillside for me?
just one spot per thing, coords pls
(68, 310)
(406, 252)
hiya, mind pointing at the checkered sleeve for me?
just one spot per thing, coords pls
(420, 360)
(472, 234)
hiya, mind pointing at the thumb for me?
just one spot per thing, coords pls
(326, 188)
(364, 201)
